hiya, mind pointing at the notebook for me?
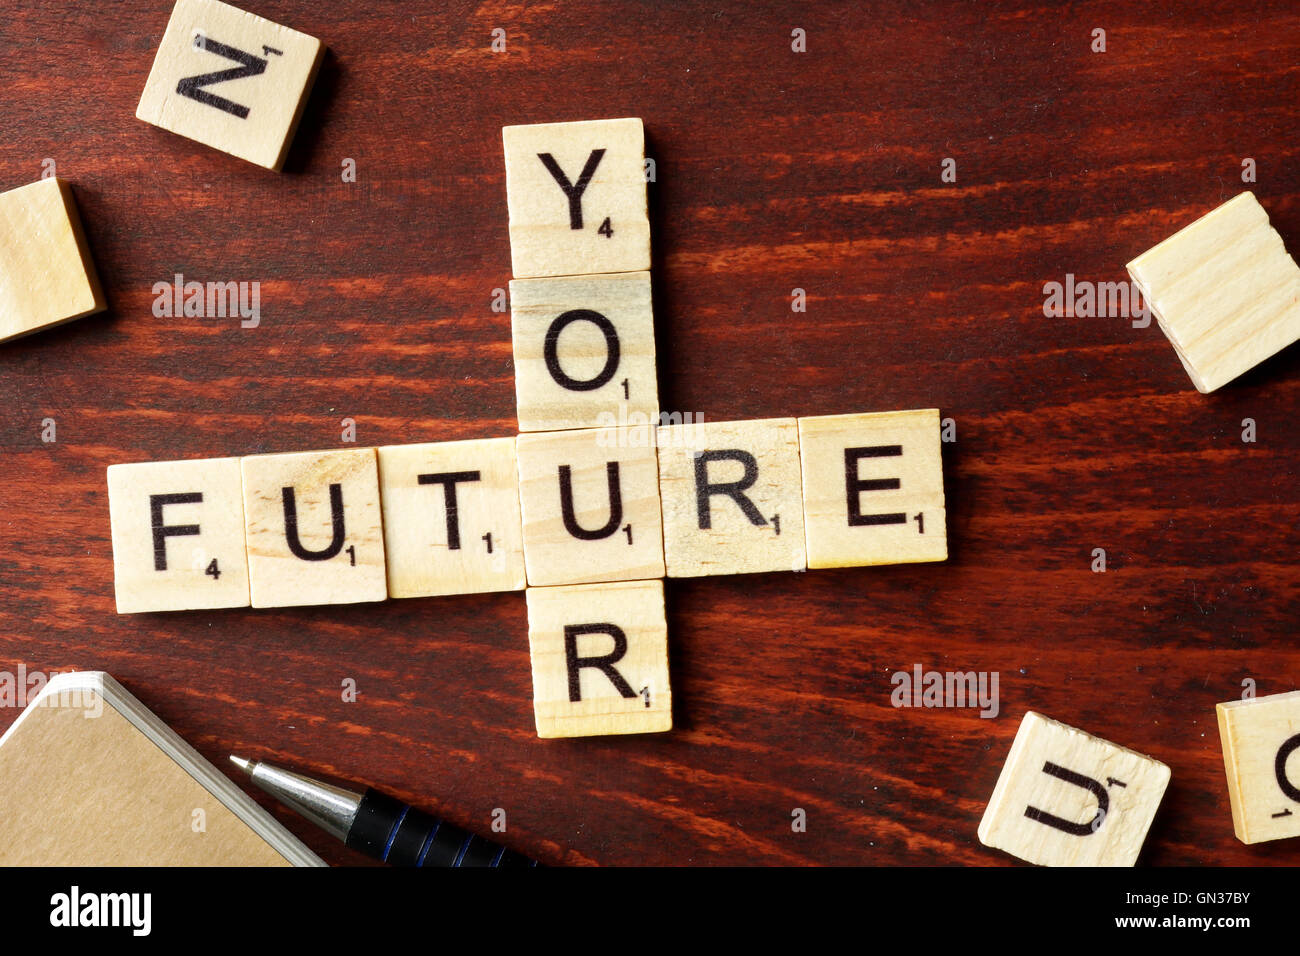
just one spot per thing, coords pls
(89, 777)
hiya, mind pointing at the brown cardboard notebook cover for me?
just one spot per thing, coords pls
(90, 777)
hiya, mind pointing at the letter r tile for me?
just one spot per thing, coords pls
(731, 494)
(1067, 798)
(600, 659)
(315, 533)
(178, 535)
(577, 198)
(873, 489)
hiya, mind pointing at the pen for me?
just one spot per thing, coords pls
(377, 824)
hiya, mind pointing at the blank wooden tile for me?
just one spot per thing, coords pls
(451, 518)
(1261, 754)
(46, 273)
(590, 504)
(731, 497)
(1224, 291)
(178, 535)
(873, 489)
(600, 659)
(315, 534)
(230, 80)
(1067, 798)
(584, 351)
(577, 198)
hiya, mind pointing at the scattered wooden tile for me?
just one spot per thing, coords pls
(1224, 291)
(230, 80)
(584, 350)
(600, 659)
(1067, 798)
(577, 198)
(46, 273)
(315, 534)
(451, 518)
(1261, 755)
(731, 496)
(178, 535)
(590, 504)
(873, 489)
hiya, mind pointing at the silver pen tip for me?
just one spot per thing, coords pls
(244, 765)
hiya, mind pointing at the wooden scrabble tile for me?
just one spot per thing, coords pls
(584, 351)
(873, 489)
(315, 534)
(577, 198)
(1224, 291)
(1261, 754)
(600, 659)
(46, 273)
(590, 504)
(731, 497)
(178, 535)
(230, 80)
(451, 518)
(1067, 798)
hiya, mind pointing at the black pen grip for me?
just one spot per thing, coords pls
(389, 830)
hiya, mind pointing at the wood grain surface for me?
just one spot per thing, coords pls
(775, 170)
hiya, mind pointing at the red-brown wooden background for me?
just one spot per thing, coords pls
(776, 170)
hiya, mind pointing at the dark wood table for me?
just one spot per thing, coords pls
(776, 170)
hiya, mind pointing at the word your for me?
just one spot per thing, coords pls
(18, 689)
(213, 300)
(1102, 300)
(951, 689)
(73, 909)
